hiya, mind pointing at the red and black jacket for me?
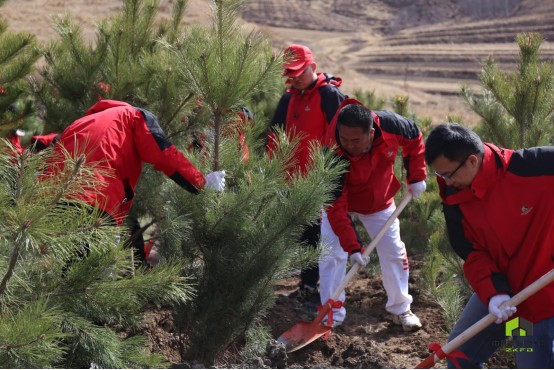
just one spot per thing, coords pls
(503, 225)
(369, 185)
(41, 142)
(119, 138)
(307, 113)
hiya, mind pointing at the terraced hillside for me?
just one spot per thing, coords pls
(454, 50)
(421, 48)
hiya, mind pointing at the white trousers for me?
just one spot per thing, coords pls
(392, 258)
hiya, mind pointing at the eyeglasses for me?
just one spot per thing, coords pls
(451, 175)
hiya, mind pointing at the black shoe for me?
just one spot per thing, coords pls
(308, 296)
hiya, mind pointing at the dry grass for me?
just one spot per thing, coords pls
(421, 48)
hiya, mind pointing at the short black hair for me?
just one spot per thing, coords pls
(355, 115)
(455, 142)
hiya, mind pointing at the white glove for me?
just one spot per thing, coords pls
(417, 188)
(153, 258)
(216, 180)
(359, 259)
(501, 314)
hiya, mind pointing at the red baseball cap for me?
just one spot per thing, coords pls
(297, 58)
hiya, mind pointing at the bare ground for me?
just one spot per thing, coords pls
(367, 338)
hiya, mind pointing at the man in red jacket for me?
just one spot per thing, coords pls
(499, 210)
(369, 141)
(306, 109)
(118, 138)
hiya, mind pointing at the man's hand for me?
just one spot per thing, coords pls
(501, 314)
(216, 180)
(359, 259)
(417, 188)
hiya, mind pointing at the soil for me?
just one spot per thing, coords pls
(367, 338)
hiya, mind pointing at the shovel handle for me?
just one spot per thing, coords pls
(488, 319)
(354, 269)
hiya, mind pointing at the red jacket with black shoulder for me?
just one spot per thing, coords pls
(119, 138)
(41, 142)
(503, 226)
(369, 185)
(307, 113)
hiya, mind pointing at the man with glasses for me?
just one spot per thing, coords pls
(305, 109)
(369, 141)
(450, 175)
(499, 210)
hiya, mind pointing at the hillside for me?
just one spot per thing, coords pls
(420, 48)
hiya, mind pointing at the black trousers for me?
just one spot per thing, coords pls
(311, 235)
(136, 239)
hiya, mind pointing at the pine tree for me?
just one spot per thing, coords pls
(246, 238)
(18, 53)
(65, 284)
(129, 62)
(225, 66)
(126, 62)
(517, 107)
(56, 309)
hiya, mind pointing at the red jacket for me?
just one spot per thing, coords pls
(120, 138)
(369, 185)
(307, 113)
(41, 142)
(16, 142)
(503, 226)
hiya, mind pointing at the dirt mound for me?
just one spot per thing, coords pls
(367, 339)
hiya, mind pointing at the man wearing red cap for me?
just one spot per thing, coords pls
(306, 109)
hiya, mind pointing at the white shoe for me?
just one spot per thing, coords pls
(408, 320)
(335, 323)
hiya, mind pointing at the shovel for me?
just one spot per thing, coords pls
(485, 322)
(304, 332)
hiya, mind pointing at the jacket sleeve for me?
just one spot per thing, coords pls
(154, 148)
(413, 154)
(410, 140)
(341, 223)
(41, 142)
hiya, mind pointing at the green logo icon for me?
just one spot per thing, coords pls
(519, 327)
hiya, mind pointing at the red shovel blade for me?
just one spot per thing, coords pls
(303, 334)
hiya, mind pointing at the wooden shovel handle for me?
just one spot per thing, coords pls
(487, 320)
(354, 269)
